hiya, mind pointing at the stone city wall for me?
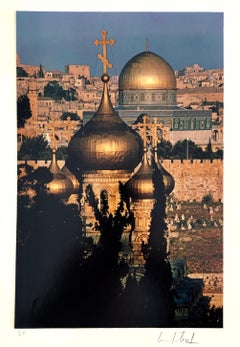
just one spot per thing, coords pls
(196, 178)
(193, 178)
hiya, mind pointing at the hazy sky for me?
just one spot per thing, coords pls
(55, 39)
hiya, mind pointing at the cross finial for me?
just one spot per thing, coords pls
(103, 57)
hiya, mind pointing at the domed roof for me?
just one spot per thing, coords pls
(168, 179)
(106, 142)
(72, 177)
(147, 70)
(61, 186)
(140, 185)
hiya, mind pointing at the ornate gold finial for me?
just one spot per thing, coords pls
(147, 47)
(142, 128)
(155, 127)
(103, 57)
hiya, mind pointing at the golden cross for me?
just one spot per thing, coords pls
(103, 57)
(149, 129)
(143, 130)
(62, 127)
(154, 132)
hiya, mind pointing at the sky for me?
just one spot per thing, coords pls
(56, 39)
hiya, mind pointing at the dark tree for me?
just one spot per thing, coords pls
(48, 235)
(70, 94)
(23, 110)
(41, 73)
(73, 116)
(164, 149)
(34, 148)
(209, 153)
(54, 90)
(219, 154)
(21, 72)
(62, 153)
(187, 148)
(157, 281)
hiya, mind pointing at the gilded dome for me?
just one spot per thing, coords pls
(106, 142)
(168, 179)
(60, 186)
(140, 185)
(72, 177)
(147, 70)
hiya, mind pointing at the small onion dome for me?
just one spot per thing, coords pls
(72, 177)
(61, 186)
(140, 185)
(106, 142)
(168, 179)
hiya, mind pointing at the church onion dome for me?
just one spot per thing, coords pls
(61, 186)
(106, 142)
(72, 177)
(168, 179)
(147, 70)
(140, 186)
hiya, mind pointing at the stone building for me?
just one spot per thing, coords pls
(78, 70)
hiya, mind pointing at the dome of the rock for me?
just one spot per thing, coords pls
(147, 70)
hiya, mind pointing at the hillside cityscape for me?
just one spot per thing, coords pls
(132, 213)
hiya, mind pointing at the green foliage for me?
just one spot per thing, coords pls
(41, 73)
(157, 281)
(219, 154)
(35, 148)
(73, 116)
(110, 226)
(187, 148)
(164, 149)
(48, 235)
(208, 199)
(62, 153)
(21, 72)
(54, 90)
(70, 94)
(23, 110)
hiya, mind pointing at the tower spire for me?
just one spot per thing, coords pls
(103, 57)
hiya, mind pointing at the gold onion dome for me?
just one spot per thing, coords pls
(106, 142)
(72, 177)
(168, 179)
(140, 185)
(147, 70)
(60, 186)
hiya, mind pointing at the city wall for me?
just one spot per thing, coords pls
(193, 178)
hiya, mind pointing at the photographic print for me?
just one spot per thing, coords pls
(120, 142)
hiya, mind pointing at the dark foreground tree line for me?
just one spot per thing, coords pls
(63, 279)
